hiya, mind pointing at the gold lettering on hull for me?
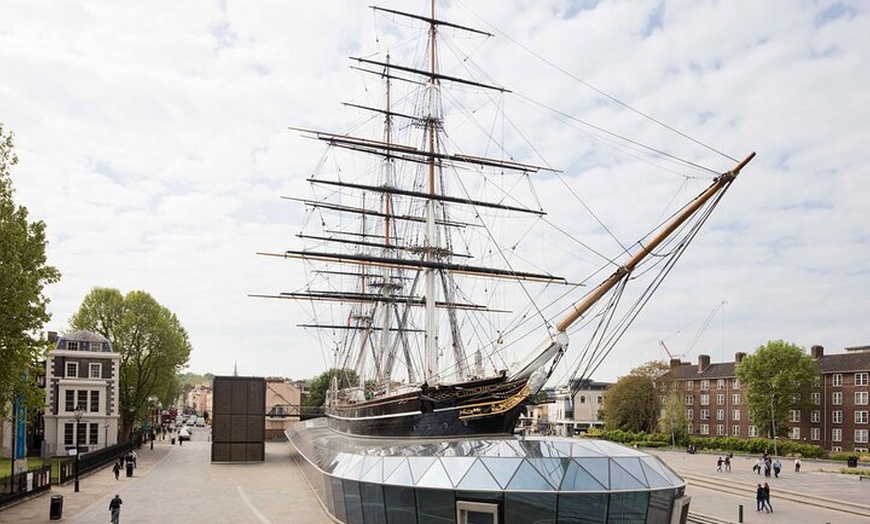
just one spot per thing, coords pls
(495, 407)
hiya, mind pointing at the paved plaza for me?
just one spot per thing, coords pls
(180, 484)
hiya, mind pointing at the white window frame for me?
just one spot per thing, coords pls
(690, 414)
(735, 383)
(862, 436)
(720, 414)
(836, 435)
(837, 398)
(705, 385)
(735, 399)
(735, 430)
(816, 398)
(690, 385)
(861, 398)
(815, 434)
(705, 399)
(837, 416)
(735, 415)
(752, 431)
(837, 380)
(815, 416)
(861, 417)
(720, 399)
(794, 415)
(71, 366)
(862, 379)
(690, 400)
(720, 383)
(720, 430)
(705, 414)
(705, 429)
(95, 366)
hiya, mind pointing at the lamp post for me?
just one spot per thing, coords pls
(79, 411)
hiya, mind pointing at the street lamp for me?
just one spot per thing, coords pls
(79, 411)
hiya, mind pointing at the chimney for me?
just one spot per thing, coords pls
(738, 357)
(817, 351)
(52, 337)
(703, 362)
(675, 363)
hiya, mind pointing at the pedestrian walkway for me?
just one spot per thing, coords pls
(712, 492)
(180, 484)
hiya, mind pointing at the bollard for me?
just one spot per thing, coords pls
(740, 513)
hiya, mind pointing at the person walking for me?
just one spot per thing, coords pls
(728, 464)
(765, 498)
(759, 498)
(797, 465)
(757, 467)
(719, 464)
(116, 469)
(777, 467)
(115, 509)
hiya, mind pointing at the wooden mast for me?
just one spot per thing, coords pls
(593, 296)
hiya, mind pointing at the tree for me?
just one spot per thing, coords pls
(778, 377)
(632, 403)
(23, 275)
(321, 383)
(672, 420)
(150, 339)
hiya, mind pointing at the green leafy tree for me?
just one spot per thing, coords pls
(632, 403)
(672, 420)
(24, 273)
(779, 377)
(150, 339)
(320, 384)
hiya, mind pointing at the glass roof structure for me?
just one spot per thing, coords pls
(504, 463)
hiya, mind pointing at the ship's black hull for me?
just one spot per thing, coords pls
(482, 407)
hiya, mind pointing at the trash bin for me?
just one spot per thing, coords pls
(55, 511)
(852, 461)
(129, 468)
(172, 440)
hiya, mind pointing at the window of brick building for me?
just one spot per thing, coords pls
(861, 417)
(861, 379)
(815, 434)
(861, 436)
(861, 398)
(838, 379)
(72, 370)
(815, 416)
(735, 414)
(837, 398)
(837, 416)
(837, 435)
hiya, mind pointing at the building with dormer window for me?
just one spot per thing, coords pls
(81, 372)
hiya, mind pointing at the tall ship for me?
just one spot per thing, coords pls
(427, 281)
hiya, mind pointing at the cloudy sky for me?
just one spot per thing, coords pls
(153, 142)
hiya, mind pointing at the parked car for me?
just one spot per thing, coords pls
(200, 422)
(183, 434)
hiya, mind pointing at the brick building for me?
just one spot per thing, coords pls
(837, 421)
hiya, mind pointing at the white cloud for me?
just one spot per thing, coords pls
(153, 143)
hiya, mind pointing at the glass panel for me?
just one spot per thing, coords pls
(374, 473)
(354, 469)
(553, 469)
(435, 506)
(338, 498)
(582, 508)
(528, 478)
(352, 502)
(578, 479)
(390, 465)
(479, 477)
(457, 467)
(660, 507)
(632, 465)
(529, 508)
(373, 507)
(502, 469)
(400, 504)
(598, 468)
(436, 477)
(419, 466)
(401, 475)
(621, 479)
(585, 448)
(662, 469)
(654, 480)
(329, 498)
(628, 508)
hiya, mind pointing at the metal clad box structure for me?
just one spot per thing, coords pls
(238, 422)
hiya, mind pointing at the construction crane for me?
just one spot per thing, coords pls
(697, 336)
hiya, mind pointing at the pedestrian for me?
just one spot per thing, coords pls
(116, 469)
(767, 466)
(759, 498)
(797, 465)
(757, 467)
(134, 458)
(777, 467)
(765, 498)
(719, 464)
(728, 464)
(115, 509)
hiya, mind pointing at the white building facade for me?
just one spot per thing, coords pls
(81, 372)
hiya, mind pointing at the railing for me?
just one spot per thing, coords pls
(24, 484)
(95, 459)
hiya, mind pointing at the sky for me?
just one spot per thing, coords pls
(153, 142)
